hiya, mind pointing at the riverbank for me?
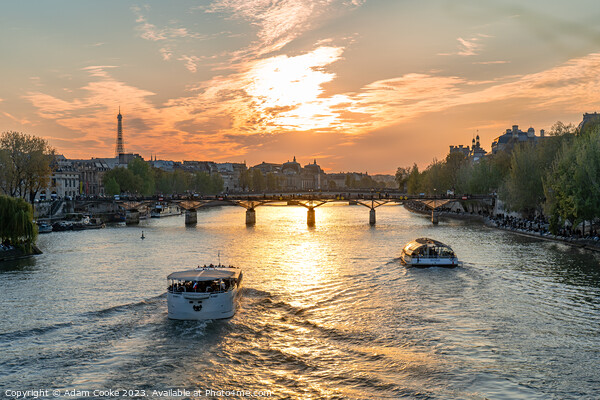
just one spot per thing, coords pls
(14, 253)
(582, 243)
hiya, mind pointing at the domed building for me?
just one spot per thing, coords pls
(511, 137)
(312, 176)
(291, 171)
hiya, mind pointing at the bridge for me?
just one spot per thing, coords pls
(309, 200)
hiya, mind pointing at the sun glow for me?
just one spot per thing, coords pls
(288, 90)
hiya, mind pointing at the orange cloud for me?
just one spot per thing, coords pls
(228, 115)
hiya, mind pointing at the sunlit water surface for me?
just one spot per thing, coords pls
(327, 312)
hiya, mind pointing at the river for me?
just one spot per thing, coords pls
(327, 312)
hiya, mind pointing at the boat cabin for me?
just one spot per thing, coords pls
(428, 248)
(204, 280)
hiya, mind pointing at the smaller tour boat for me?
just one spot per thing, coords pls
(208, 292)
(425, 252)
(161, 210)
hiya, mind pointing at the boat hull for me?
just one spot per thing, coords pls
(430, 262)
(202, 306)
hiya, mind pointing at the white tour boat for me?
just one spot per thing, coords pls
(208, 292)
(425, 252)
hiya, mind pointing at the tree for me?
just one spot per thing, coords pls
(413, 184)
(25, 164)
(202, 183)
(145, 184)
(524, 184)
(245, 180)
(111, 187)
(350, 181)
(272, 182)
(125, 179)
(573, 185)
(16, 223)
(216, 183)
(258, 180)
(523, 190)
(401, 178)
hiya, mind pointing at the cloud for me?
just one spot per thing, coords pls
(166, 54)
(278, 22)
(191, 62)
(468, 47)
(228, 115)
(151, 32)
(491, 62)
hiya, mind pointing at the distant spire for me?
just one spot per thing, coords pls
(120, 148)
(294, 158)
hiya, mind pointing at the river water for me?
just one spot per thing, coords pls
(327, 312)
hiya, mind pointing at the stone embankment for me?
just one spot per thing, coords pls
(531, 228)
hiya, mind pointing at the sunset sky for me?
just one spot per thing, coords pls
(358, 85)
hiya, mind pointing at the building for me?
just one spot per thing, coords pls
(291, 171)
(231, 173)
(209, 167)
(473, 153)
(312, 177)
(90, 176)
(477, 152)
(267, 168)
(336, 180)
(513, 136)
(588, 119)
(466, 151)
(64, 182)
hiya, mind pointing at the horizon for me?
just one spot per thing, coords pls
(357, 85)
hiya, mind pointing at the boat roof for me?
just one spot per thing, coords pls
(205, 274)
(415, 244)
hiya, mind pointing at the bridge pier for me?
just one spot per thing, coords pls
(310, 216)
(372, 217)
(191, 217)
(250, 216)
(435, 216)
(132, 217)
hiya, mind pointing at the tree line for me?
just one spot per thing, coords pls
(139, 177)
(559, 176)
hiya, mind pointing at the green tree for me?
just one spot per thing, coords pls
(125, 178)
(111, 187)
(180, 181)
(145, 183)
(523, 189)
(413, 183)
(16, 223)
(573, 185)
